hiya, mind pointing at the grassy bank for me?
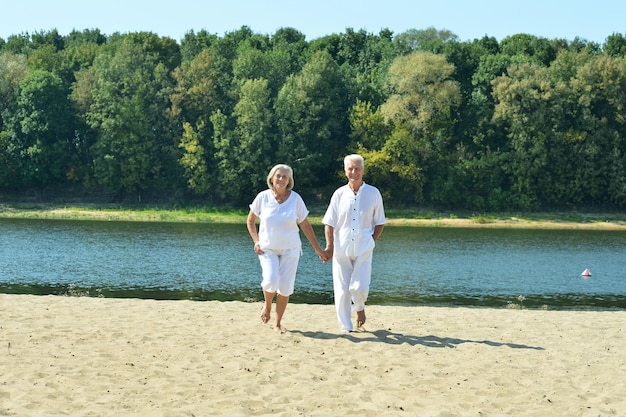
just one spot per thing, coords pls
(405, 217)
(122, 213)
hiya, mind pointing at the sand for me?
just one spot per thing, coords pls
(79, 356)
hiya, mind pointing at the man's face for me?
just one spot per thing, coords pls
(354, 171)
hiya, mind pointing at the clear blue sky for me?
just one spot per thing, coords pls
(591, 20)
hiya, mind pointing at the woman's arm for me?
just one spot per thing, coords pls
(308, 231)
(251, 223)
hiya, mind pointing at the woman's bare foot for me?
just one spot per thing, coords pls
(279, 329)
(360, 318)
(265, 315)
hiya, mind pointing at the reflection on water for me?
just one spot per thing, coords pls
(412, 266)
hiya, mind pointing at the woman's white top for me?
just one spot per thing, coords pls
(278, 228)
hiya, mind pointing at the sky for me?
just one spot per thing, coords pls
(588, 20)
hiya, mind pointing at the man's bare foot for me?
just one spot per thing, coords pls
(279, 329)
(265, 315)
(360, 318)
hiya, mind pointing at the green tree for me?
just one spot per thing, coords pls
(532, 109)
(40, 129)
(370, 133)
(288, 54)
(134, 151)
(194, 43)
(196, 91)
(52, 38)
(194, 161)
(538, 49)
(13, 70)
(428, 40)
(615, 45)
(18, 44)
(311, 112)
(420, 108)
(245, 153)
(600, 88)
(195, 97)
(81, 49)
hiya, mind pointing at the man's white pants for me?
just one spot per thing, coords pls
(351, 283)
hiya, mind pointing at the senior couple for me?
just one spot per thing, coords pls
(354, 220)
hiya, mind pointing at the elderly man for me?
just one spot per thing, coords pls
(354, 220)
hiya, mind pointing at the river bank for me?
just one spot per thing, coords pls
(404, 217)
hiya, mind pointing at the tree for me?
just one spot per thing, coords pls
(194, 43)
(422, 91)
(194, 161)
(81, 49)
(370, 133)
(429, 40)
(13, 70)
(535, 110)
(538, 49)
(129, 107)
(419, 109)
(311, 110)
(615, 45)
(287, 56)
(196, 92)
(600, 88)
(40, 129)
(47, 38)
(18, 44)
(466, 58)
(195, 97)
(245, 147)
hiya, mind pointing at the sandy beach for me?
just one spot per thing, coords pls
(79, 356)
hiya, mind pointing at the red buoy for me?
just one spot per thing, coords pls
(586, 273)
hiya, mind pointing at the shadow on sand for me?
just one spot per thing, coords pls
(392, 338)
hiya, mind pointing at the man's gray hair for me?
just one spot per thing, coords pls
(354, 158)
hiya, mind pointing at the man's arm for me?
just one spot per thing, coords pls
(378, 230)
(329, 234)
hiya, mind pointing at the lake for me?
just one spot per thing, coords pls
(412, 265)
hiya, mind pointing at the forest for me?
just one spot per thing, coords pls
(524, 123)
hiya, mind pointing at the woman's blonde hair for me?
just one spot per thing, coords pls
(276, 168)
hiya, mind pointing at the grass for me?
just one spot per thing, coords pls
(543, 220)
(123, 213)
(398, 217)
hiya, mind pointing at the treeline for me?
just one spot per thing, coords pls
(524, 123)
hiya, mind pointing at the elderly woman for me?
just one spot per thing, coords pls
(277, 242)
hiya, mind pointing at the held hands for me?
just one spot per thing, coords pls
(322, 255)
(325, 254)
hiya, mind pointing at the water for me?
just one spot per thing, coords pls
(412, 265)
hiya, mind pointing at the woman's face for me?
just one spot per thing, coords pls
(280, 179)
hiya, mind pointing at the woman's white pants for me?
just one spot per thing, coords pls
(279, 268)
